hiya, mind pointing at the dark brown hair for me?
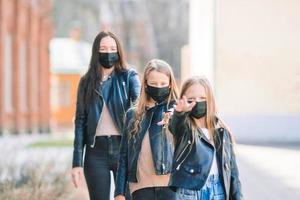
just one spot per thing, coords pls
(94, 73)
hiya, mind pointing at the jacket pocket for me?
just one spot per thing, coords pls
(192, 169)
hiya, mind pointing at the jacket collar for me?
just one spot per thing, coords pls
(97, 88)
(202, 135)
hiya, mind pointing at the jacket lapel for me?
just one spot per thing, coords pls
(97, 89)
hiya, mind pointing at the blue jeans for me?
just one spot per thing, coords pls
(212, 190)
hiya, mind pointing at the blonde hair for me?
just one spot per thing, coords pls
(210, 117)
(141, 106)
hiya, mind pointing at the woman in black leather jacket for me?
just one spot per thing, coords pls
(204, 166)
(105, 93)
(147, 148)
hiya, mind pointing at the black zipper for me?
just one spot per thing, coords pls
(182, 152)
(162, 144)
(123, 83)
(120, 96)
(178, 166)
(93, 145)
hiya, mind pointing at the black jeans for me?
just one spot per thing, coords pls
(98, 163)
(154, 193)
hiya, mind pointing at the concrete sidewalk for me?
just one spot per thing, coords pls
(266, 172)
(269, 173)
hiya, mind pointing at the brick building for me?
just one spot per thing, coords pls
(25, 31)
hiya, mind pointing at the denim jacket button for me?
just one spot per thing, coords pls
(191, 170)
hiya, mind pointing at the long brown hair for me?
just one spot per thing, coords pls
(159, 66)
(94, 73)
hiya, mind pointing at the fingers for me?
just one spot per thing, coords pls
(184, 105)
(161, 123)
(184, 99)
(76, 178)
(192, 104)
(166, 118)
(76, 181)
(167, 115)
(179, 106)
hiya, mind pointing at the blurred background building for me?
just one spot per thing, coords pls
(157, 28)
(249, 51)
(26, 29)
(142, 31)
(69, 58)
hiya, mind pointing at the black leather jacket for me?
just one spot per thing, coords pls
(125, 89)
(161, 146)
(192, 161)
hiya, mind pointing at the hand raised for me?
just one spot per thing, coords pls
(166, 117)
(183, 105)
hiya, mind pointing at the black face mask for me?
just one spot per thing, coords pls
(199, 110)
(158, 94)
(108, 60)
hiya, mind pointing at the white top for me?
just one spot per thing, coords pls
(214, 167)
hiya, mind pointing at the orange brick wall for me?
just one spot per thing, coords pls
(1, 71)
(63, 100)
(30, 27)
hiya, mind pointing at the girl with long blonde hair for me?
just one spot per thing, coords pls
(204, 165)
(147, 147)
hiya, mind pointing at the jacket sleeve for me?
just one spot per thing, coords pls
(122, 172)
(178, 124)
(235, 192)
(134, 85)
(80, 124)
